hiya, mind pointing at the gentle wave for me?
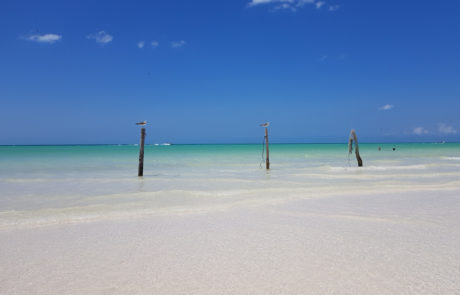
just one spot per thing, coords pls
(451, 158)
(379, 168)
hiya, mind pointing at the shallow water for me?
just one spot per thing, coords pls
(58, 184)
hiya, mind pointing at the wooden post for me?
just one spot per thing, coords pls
(140, 171)
(352, 138)
(267, 161)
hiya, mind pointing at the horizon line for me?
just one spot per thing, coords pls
(254, 143)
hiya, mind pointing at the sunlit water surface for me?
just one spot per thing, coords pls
(59, 184)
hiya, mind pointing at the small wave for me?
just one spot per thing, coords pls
(379, 168)
(26, 180)
(451, 158)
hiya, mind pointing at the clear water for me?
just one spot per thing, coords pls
(58, 184)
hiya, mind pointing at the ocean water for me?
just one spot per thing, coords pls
(42, 185)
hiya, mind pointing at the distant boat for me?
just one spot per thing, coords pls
(166, 143)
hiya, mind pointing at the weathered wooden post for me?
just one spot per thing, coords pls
(267, 160)
(140, 170)
(354, 138)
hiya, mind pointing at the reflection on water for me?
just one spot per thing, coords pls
(140, 186)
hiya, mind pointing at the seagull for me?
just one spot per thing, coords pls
(143, 123)
(266, 124)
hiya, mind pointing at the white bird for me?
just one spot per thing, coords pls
(266, 124)
(143, 123)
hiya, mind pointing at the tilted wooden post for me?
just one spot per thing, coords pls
(140, 171)
(352, 138)
(267, 161)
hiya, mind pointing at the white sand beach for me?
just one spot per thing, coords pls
(403, 243)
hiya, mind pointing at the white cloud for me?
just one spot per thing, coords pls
(420, 131)
(101, 37)
(282, 4)
(258, 2)
(446, 129)
(333, 7)
(178, 44)
(320, 4)
(155, 44)
(303, 2)
(387, 107)
(140, 44)
(46, 38)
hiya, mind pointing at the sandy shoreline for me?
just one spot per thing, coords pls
(405, 243)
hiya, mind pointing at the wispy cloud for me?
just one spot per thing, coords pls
(332, 57)
(333, 7)
(155, 44)
(178, 44)
(420, 131)
(259, 2)
(101, 37)
(387, 107)
(320, 4)
(282, 4)
(446, 129)
(45, 38)
(140, 44)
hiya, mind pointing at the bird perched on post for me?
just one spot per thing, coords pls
(143, 123)
(266, 124)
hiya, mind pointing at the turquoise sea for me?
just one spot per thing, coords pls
(42, 185)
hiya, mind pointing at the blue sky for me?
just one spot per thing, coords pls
(211, 71)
